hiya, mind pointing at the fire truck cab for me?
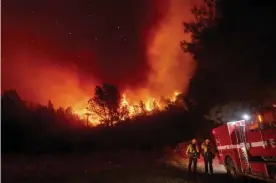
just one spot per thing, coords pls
(248, 147)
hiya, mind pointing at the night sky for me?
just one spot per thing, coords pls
(60, 50)
(102, 38)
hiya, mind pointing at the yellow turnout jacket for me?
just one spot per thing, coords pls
(190, 149)
(204, 148)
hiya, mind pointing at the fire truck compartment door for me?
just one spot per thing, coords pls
(259, 169)
(241, 147)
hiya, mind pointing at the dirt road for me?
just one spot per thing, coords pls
(120, 168)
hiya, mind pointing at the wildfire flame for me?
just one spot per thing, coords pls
(133, 108)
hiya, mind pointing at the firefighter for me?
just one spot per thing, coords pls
(193, 154)
(208, 155)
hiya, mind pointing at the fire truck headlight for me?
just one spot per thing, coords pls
(246, 117)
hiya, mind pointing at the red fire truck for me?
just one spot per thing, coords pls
(248, 147)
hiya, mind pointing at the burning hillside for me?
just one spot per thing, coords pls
(65, 70)
(127, 108)
(171, 69)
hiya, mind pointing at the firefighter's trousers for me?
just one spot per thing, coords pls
(208, 161)
(192, 160)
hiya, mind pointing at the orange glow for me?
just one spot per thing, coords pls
(260, 118)
(171, 71)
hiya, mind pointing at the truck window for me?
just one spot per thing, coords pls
(254, 126)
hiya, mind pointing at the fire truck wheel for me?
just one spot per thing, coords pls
(231, 169)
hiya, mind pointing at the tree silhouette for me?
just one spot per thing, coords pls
(205, 20)
(50, 105)
(105, 104)
(232, 44)
(12, 106)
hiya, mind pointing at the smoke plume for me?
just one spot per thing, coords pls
(171, 68)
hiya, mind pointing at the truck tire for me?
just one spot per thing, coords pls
(232, 171)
